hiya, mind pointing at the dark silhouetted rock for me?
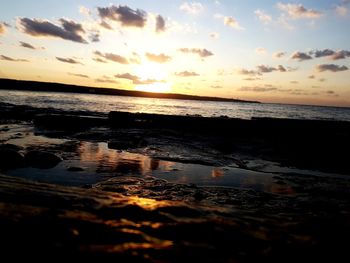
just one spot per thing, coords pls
(10, 158)
(75, 169)
(42, 160)
(11, 146)
(128, 143)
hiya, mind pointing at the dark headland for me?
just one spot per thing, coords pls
(11, 84)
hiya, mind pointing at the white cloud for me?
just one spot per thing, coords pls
(279, 54)
(341, 10)
(231, 22)
(84, 10)
(260, 51)
(192, 8)
(214, 35)
(296, 11)
(263, 17)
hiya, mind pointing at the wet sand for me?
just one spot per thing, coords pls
(151, 191)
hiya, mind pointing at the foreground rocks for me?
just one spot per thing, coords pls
(41, 159)
(10, 157)
(41, 220)
(133, 219)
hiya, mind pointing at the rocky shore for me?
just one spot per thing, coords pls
(64, 195)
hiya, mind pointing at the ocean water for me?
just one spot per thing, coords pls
(106, 103)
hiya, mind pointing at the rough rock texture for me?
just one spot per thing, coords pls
(47, 221)
(43, 160)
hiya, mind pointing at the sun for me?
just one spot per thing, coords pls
(155, 77)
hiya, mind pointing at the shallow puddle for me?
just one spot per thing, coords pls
(96, 162)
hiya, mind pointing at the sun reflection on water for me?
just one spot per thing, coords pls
(147, 203)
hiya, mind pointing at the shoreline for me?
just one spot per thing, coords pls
(311, 144)
(141, 187)
(26, 85)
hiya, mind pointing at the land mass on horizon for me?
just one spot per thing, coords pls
(24, 85)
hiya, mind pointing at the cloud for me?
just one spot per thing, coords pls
(216, 87)
(105, 25)
(279, 54)
(331, 68)
(231, 22)
(187, 74)
(106, 79)
(322, 53)
(214, 35)
(84, 10)
(294, 82)
(261, 69)
(260, 50)
(203, 53)
(135, 58)
(333, 55)
(265, 69)
(2, 57)
(161, 58)
(94, 37)
(99, 60)
(249, 72)
(301, 56)
(296, 92)
(26, 45)
(252, 79)
(78, 75)
(341, 54)
(112, 57)
(68, 60)
(280, 68)
(268, 69)
(258, 89)
(2, 28)
(264, 18)
(136, 80)
(69, 31)
(160, 24)
(341, 10)
(123, 14)
(192, 8)
(311, 77)
(297, 11)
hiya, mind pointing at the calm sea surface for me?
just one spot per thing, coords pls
(105, 104)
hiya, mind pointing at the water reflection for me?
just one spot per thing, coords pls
(96, 163)
(146, 203)
(217, 172)
(121, 163)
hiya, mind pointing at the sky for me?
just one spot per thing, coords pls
(270, 51)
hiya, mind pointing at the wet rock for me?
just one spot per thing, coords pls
(10, 146)
(75, 169)
(10, 158)
(127, 143)
(42, 160)
(280, 182)
(4, 129)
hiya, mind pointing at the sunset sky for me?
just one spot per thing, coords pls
(271, 51)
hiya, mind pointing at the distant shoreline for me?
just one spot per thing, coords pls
(24, 85)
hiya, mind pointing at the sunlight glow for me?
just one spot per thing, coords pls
(155, 77)
(154, 87)
(153, 71)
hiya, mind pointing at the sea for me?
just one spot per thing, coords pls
(106, 103)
